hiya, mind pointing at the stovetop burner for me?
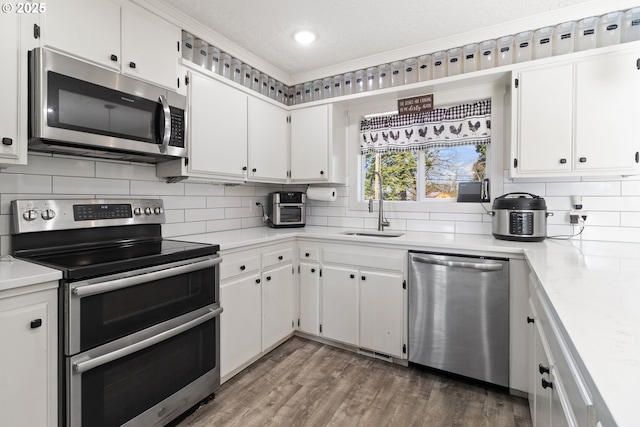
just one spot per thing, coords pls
(90, 238)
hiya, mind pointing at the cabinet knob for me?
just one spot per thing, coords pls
(313, 270)
(257, 280)
(243, 267)
(132, 65)
(515, 163)
(268, 278)
(582, 160)
(530, 320)
(563, 161)
(280, 258)
(352, 276)
(546, 384)
(637, 156)
(363, 277)
(254, 170)
(543, 369)
(7, 141)
(244, 168)
(114, 58)
(36, 323)
(306, 254)
(321, 172)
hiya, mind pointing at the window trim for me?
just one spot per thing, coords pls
(355, 173)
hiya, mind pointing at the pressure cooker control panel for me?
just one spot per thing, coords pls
(521, 223)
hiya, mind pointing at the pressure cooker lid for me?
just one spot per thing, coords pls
(520, 201)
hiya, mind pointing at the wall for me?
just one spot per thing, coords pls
(191, 208)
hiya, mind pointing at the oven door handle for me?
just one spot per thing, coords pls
(459, 264)
(111, 285)
(87, 365)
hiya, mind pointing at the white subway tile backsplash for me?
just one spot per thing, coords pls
(628, 219)
(240, 190)
(611, 204)
(184, 228)
(224, 224)
(435, 226)
(5, 225)
(338, 211)
(195, 189)
(611, 188)
(174, 215)
(317, 220)
(47, 165)
(5, 245)
(77, 185)
(252, 222)
(613, 234)
(537, 188)
(184, 202)
(239, 212)
(224, 202)
(203, 214)
(345, 222)
(125, 171)
(156, 188)
(631, 188)
(473, 227)
(438, 216)
(26, 184)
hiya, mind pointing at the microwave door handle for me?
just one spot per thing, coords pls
(166, 136)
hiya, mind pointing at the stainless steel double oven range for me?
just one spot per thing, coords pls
(139, 325)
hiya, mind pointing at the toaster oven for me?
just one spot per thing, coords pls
(287, 209)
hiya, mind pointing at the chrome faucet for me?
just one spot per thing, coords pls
(382, 221)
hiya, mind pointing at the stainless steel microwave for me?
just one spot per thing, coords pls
(82, 109)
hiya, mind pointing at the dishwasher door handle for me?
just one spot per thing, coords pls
(459, 264)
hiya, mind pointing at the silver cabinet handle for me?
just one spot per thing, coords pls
(166, 137)
(459, 264)
(85, 366)
(126, 282)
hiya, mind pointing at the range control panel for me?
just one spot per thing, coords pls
(47, 215)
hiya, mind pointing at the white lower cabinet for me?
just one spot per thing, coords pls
(277, 305)
(240, 322)
(339, 299)
(28, 365)
(309, 290)
(257, 294)
(381, 296)
(558, 394)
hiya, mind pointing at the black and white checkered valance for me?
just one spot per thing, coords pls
(466, 124)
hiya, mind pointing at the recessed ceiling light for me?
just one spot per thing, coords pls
(304, 37)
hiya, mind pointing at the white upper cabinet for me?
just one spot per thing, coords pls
(268, 142)
(217, 129)
(318, 145)
(15, 33)
(90, 30)
(125, 38)
(149, 46)
(576, 118)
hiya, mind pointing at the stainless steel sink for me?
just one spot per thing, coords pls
(373, 233)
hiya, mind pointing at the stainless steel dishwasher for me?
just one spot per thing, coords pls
(459, 315)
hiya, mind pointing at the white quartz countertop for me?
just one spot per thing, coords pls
(593, 287)
(17, 273)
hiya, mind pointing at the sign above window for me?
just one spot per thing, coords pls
(415, 105)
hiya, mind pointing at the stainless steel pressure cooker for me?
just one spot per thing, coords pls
(520, 217)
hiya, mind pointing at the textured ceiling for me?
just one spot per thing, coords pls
(349, 29)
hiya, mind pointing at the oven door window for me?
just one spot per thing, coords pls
(116, 392)
(290, 214)
(81, 106)
(108, 316)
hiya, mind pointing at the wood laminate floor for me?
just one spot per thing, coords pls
(305, 383)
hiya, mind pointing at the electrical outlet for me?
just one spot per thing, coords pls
(573, 218)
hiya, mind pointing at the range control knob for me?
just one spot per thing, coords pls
(48, 214)
(147, 211)
(30, 215)
(137, 211)
(157, 211)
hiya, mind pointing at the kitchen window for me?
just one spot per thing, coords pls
(425, 156)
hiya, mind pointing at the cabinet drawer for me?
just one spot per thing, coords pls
(372, 258)
(578, 396)
(275, 257)
(309, 254)
(235, 265)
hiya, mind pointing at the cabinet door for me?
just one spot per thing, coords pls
(218, 128)
(381, 312)
(542, 394)
(149, 47)
(607, 134)
(9, 85)
(340, 304)
(310, 144)
(543, 132)
(277, 305)
(268, 142)
(309, 298)
(28, 360)
(90, 30)
(240, 322)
